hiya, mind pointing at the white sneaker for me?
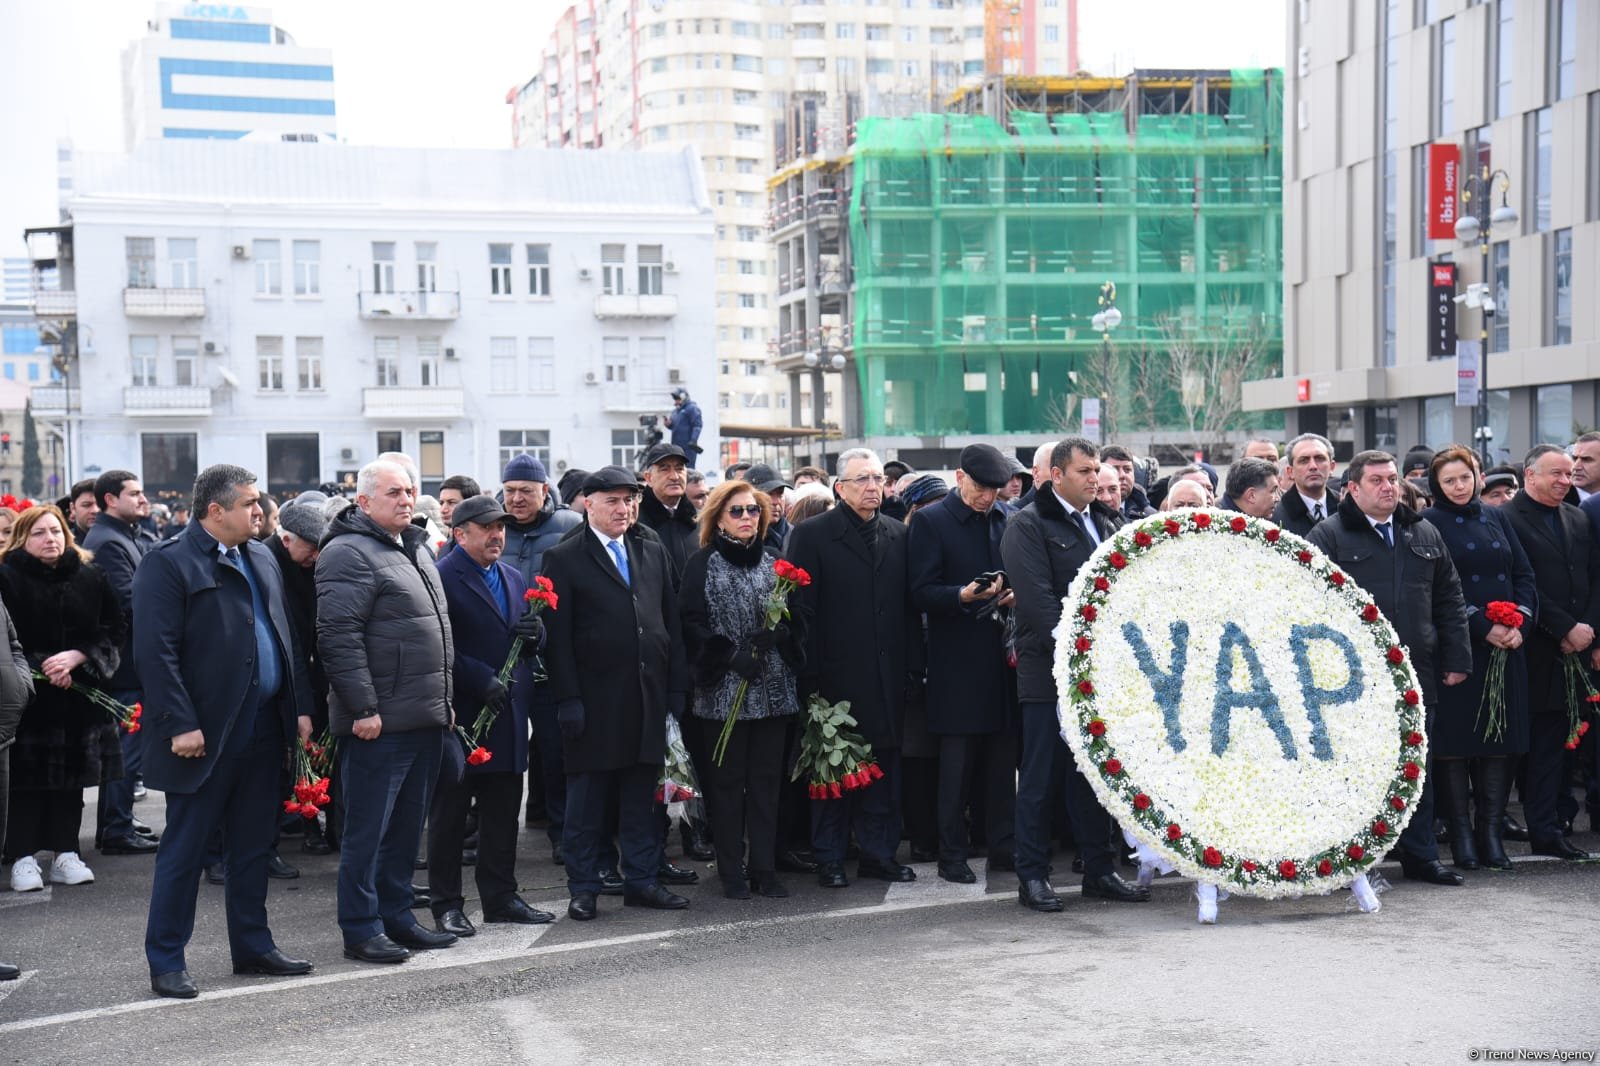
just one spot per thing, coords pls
(1365, 897)
(25, 875)
(68, 869)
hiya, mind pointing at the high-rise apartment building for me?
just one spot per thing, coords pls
(221, 71)
(754, 86)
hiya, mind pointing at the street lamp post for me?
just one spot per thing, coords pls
(1479, 188)
(1104, 321)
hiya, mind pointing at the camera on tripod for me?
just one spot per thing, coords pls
(652, 425)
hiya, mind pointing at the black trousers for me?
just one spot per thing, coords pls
(499, 798)
(1548, 771)
(987, 762)
(873, 812)
(44, 819)
(919, 800)
(1091, 826)
(743, 793)
(584, 839)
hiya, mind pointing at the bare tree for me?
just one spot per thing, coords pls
(1207, 364)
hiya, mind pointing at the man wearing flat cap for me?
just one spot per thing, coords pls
(617, 666)
(767, 480)
(487, 614)
(956, 580)
(663, 506)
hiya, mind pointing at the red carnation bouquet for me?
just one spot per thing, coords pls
(790, 577)
(542, 595)
(677, 783)
(127, 716)
(310, 786)
(834, 758)
(1581, 697)
(1500, 613)
(11, 503)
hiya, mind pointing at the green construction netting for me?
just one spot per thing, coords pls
(980, 255)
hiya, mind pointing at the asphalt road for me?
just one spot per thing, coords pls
(920, 973)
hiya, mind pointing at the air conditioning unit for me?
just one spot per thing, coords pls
(241, 252)
(347, 455)
(670, 267)
(674, 376)
(213, 348)
(449, 353)
(975, 328)
(591, 378)
(584, 273)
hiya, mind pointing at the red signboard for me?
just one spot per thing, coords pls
(1302, 390)
(1444, 184)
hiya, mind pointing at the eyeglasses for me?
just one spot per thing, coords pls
(864, 479)
(743, 510)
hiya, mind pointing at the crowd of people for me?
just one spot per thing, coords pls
(407, 629)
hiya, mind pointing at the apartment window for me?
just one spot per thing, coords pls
(307, 268)
(909, 34)
(650, 269)
(386, 361)
(183, 264)
(269, 364)
(500, 270)
(725, 366)
(430, 460)
(877, 32)
(185, 360)
(503, 364)
(168, 461)
(514, 442)
(538, 270)
(844, 66)
(427, 266)
(390, 440)
(1052, 34)
(269, 267)
(1561, 271)
(308, 363)
(911, 68)
(747, 64)
(886, 66)
(626, 445)
(1541, 133)
(614, 355)
(749, 233)
(141, 262)
(428, 361)
(844, 31)
(747, 266)
(1563, 48)
(383, 266)
(1552, 413)
(1500, 270)
(747, 300)
(750, 368)
(294, 461)
(142, 356)
(1592, 169)
(613, 262)
(1505, 59)
(1445, 71)
(724, 401)
(541, 364)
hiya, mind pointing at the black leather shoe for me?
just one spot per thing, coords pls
(1111, 886)
(656, 898)
(273, 964)
(1038, 896)
(957, 872)
(420, 896)
(735, 888)
(379, 949)
(9, 972)
(316, 841)
(516, 911)
(1077, 864)
(695, 845)
(216, 874)
(766, 883)
(142, 830)
(1561, 849)
(419, 939)
(669, 874)
(831, 875)
(175, 985)
(893, 872)
(1006, 864)
(610, 883)
(1515, 830)
(581, 908)
(796, 862)
(455, 923)
(132, 844)
(276, 867)
(1434, 873)
(920, 854)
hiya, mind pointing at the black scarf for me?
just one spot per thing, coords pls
(736, 552)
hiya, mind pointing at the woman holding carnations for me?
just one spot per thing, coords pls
(1484, 719)
(70, 626)
(744, 667)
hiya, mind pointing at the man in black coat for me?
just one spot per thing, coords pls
(1044, 546)
(118, 541)
(861, 646)
(1252, 488)
(952, 546)
(617, 668)
(1402, 562)
(1563, 548)
(767, 480)
(1311, 499)
(226, 688)
(663, 507)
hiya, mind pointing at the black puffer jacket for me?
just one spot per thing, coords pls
(383, 628)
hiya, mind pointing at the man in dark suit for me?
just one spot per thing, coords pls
(617, 667)
(1565, 553)
(227, 693)
(1044, 546)
(951, 545)
(1311, 499)
(1252, 488)
(487, 613)
(119, 542)
(862, 640)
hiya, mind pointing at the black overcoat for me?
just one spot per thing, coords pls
(1566, 571)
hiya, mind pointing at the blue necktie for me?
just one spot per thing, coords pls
(1387, 534)
(622, 560)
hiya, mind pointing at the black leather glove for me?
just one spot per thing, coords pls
(764, 640)
(530, 627)
(497, 697)
(745, 663)
(570, 717)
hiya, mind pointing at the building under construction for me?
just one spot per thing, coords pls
(950, 264)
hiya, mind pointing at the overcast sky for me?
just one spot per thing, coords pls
(429, 73)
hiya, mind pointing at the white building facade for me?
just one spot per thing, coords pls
(224, 72)
(297, 309)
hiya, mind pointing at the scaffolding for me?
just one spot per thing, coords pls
(980, 240)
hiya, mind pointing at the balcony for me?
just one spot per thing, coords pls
(48, 304)
(190, 401)
(419, 306)
(635, 306)
(422, 402)
(163, 303)
(54, 401)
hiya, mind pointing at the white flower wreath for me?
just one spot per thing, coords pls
(1239, 704)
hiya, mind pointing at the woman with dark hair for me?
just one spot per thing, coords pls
(70, 626)
(723, 599)
(1493, 567)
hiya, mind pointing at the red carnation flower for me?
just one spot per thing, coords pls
(1086, 687)
(1141, 802)
(1397, 802)
(1118, 560)
(1142, 539)
(1202, 520)
(1272, 535)
(1336, 578)
(1088, 612)
(479, 756)
(1083, 644)
(529, 595)
(1413, 738)
(1171, 527)
(1324, 868)
(1380, 828)
(1411, 697)
(1101, 584)
(1583, 727)
(1571, 745)
(1113, 767)
(1303, 555)
(1356, 852)
(1250, 867)
(1211, 857)
(1097, 727)
(1412, 770)
(1174, 831)
(1287, 870)
(1369, 613)
(1238, 524)
(1396, 655)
